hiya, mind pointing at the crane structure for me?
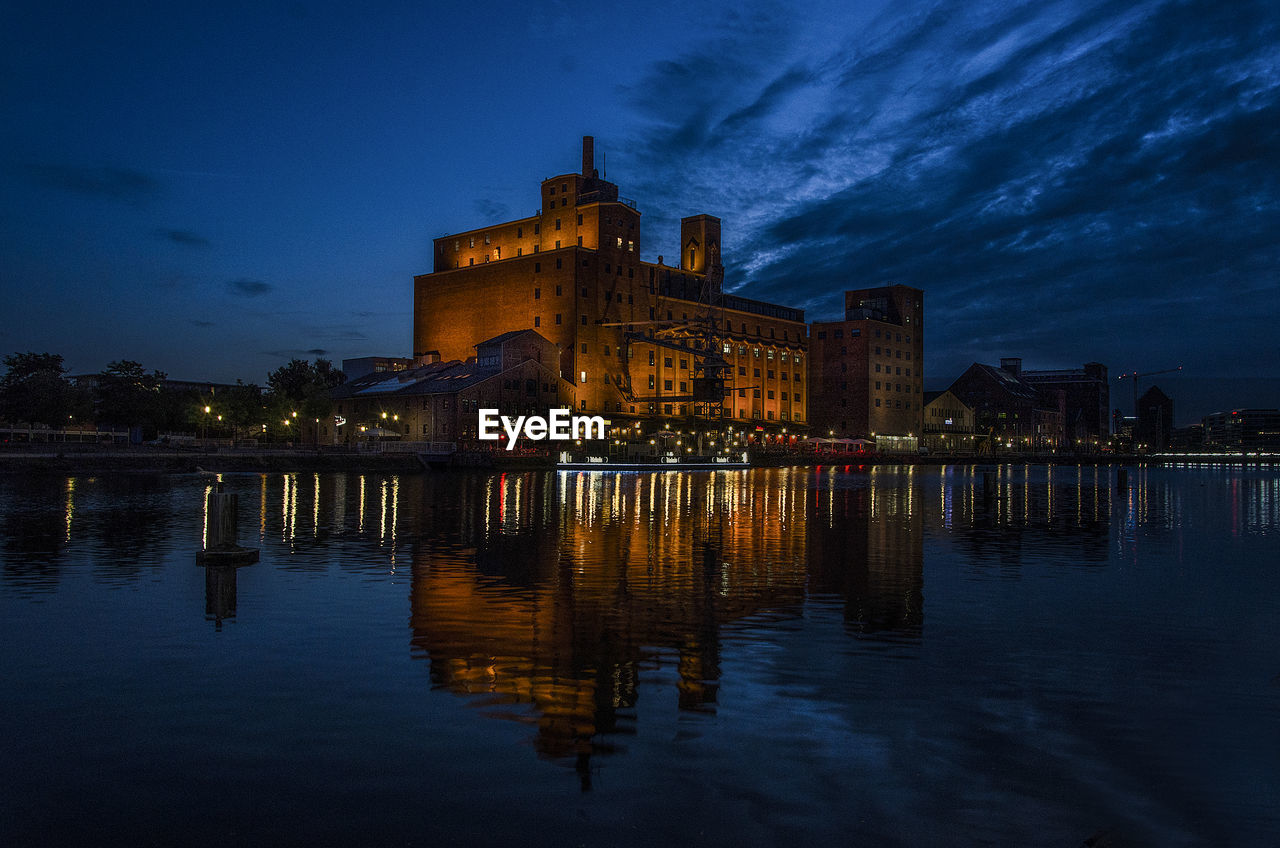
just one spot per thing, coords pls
(1135, 376)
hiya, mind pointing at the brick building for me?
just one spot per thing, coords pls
(1087, 402)
(636, 338)
(1008, 410)
(866, 373)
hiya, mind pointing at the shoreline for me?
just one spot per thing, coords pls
(169, 461)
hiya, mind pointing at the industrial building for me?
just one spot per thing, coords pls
(636, 339)
(866, 372)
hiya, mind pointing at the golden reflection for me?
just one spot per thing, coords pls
(560, 610)
(70, 507)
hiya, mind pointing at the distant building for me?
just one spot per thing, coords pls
(1008, 409)
(866, 373)
(948, 424)
(366, 365)
(1087, 401)
(1155, 419)
(1243, 429)
(438, 401)
(636, 339)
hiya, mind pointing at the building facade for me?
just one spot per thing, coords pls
(866, 372)
(1086, 402)
(1243, 429)
(1009, 413)
(1155, 419)
(636, 339)
(948, 424)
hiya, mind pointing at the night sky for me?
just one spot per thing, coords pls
(214, 192)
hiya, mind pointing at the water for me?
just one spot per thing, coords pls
(864, 656)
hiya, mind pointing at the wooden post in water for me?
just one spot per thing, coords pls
(221, 532)
(1122, 480)
(222, 545)
(988, 486)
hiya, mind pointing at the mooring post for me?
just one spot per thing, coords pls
(221, 533)
(1122, 480)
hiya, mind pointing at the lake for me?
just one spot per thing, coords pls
(875, 656)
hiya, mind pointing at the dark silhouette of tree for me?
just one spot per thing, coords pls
(34, 391)
(128, 396)
(303, 387)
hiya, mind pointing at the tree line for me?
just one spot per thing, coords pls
(35, 392)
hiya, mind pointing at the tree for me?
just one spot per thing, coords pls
(34, 391)
(128, 396)
(303, 387)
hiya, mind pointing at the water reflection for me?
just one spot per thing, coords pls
(562, 590)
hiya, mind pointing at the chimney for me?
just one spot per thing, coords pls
(1012, 364)
(588, 155)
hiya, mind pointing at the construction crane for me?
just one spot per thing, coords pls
(1134, 376)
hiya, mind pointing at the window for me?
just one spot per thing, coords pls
(471, 261)
(822, 334)
(537, 321)
(666, 362)
(666, 385)
(579, 219)
(537, 294)
(558, 317)
(472, 241)
(537, 267)
(537, 228)
(584, 377)
(584, 320)
(684, 363)
(769, 373)
(557, 223)
(757, 372)
(742, 371)
(519, 232)
(486, 238)
(650, 358)
(584, 291)
(558, 292)
(650, 381)
(558, 265)
(771, 394)
(584, 347)
(579, 241)
(877, 401)
(557, 244)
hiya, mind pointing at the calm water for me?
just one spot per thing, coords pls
(869, 657)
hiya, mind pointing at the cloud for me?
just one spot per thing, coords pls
(199, 323)
(126, 184)
(249, 288)
(317, 351)
(1064, 180)
(183, 237)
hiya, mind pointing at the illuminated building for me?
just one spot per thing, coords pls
(866, 373)
(636, 339)
(948, 424)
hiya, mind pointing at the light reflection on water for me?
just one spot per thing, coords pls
(880, 651)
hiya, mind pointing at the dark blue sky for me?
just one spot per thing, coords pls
(213, 192)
